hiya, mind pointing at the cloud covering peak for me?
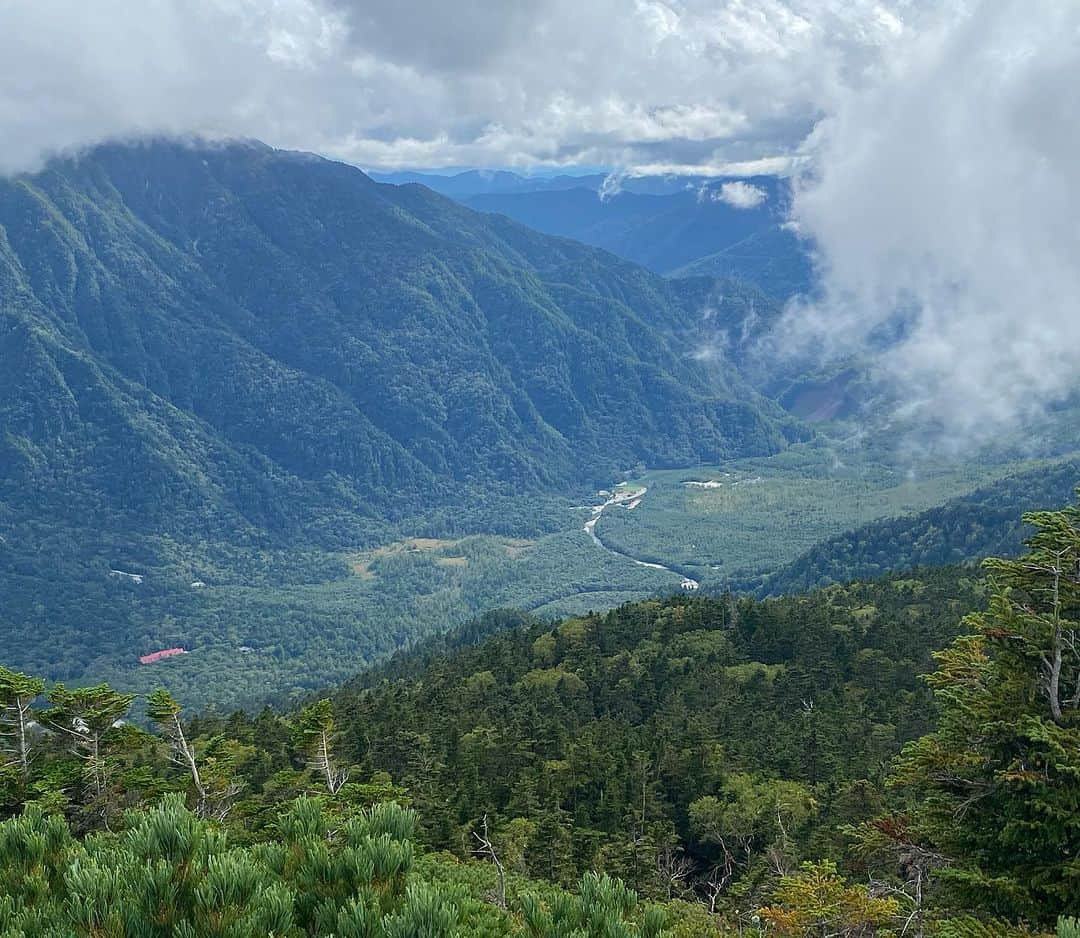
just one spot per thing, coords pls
(935, 143)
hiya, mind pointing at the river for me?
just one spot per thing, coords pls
(629, 499)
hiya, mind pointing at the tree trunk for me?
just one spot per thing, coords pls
(187, 753)
(1054, 679)
(22, 707)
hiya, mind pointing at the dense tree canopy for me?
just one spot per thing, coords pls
(691, 766)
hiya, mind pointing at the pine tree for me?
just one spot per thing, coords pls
(603, 908)
(87, 718)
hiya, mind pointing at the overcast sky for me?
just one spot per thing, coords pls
(935, 143)
(429, 83)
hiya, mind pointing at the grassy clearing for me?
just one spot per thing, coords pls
(446, 552)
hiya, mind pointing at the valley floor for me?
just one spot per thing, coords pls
(259, 638)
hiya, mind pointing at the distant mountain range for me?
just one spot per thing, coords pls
(681, 226)
(473, 182)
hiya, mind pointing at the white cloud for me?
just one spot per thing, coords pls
(611, 186)
(943, 200)
(695, 83)
(739, 195)
(716, 166)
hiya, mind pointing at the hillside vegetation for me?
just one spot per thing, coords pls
(796, 767)
(964, 529)
(604, 732)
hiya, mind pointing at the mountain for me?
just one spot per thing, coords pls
(289, 306)
(480, 181)
(217, 362)
(662, 232)
(772, 257)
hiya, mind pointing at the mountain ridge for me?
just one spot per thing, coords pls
(259, 317)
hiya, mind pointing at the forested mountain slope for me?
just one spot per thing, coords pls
(289, 309)
(598, 743)
(217, 360)
(774, 258)
(602, 732)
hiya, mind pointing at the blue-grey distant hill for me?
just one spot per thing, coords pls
(463, 185)
(681, 226)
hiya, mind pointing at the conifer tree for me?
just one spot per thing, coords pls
(996, 788)
(87, 717)
(818, 901)
(17, 694)
(318, 732)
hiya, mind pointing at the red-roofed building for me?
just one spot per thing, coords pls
(158, 655)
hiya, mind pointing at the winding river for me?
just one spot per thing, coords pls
(629, 499)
